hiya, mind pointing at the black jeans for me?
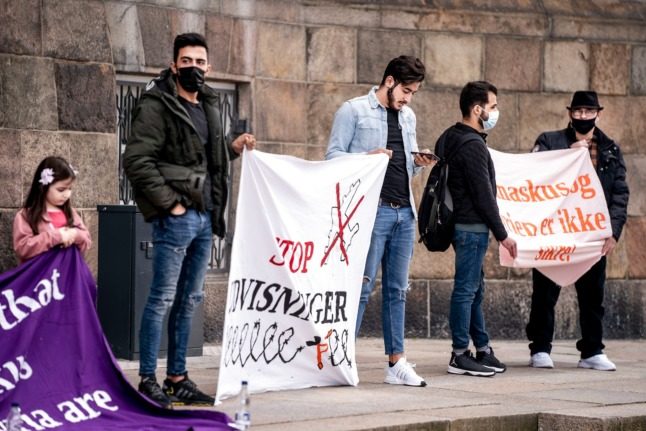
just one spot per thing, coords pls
(545, 294)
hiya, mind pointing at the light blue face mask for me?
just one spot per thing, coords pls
(490, 122)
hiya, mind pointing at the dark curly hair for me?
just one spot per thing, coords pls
(475, 93)
(188, 39)
(405, 70)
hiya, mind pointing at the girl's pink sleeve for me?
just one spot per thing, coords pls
(26, 244)
(83, 240)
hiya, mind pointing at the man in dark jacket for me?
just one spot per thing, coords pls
(472, 183)
(176, 159)
(611, 169)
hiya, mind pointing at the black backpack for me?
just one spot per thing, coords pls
(435, 216)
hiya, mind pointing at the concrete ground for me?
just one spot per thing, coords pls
(523, 398)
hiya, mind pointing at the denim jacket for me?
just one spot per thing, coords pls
(361, 125)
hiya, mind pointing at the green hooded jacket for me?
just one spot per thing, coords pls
(165, 160)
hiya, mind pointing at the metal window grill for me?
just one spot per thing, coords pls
(128, 91)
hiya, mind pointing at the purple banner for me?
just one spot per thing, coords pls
(55, 361)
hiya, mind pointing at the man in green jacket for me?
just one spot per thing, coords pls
(176, 159)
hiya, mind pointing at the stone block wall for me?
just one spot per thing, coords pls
(56, 98)
(294, 63)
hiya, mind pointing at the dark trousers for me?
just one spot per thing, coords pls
(545, 294)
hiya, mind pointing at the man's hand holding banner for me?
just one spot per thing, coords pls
(553, 205)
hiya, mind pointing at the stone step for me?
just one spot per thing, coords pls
(565, 398)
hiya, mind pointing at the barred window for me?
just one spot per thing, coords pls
(129, 88)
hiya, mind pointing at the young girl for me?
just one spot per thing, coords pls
(47, 218)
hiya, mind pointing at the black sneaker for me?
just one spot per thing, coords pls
(490, 361)
(466, 364)
(185, 392)
(150, 388)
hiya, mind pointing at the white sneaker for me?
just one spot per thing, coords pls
(541, 360)
(403, 374)
(597, 362)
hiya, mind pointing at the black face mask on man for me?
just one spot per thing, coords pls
(190, 78)
(583, 126)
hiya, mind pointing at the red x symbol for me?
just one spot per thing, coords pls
(342, 226)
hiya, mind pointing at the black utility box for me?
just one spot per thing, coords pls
(124, 276)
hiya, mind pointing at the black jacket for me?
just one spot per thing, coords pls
(472, 181)
(611, 170)
(165, 159)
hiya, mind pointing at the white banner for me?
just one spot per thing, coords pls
(301, 239)
(552, 204)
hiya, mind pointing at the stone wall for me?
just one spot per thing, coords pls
(295, 62)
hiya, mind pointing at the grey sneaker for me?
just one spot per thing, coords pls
(490, 361)
(150, 388)
(466, 364)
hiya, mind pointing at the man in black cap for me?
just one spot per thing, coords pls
(582, 132)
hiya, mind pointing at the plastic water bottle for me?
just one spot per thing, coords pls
(14, 421)
(243, 416)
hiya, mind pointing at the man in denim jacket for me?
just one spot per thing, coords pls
(381, 122)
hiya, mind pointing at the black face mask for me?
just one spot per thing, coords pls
(583, 126)
(190, 78)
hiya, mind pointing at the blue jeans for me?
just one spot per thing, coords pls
(391, 246)
(181, 252)
(466, 318)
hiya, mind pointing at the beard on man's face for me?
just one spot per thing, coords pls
(392, 103)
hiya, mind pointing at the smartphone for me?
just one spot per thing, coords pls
(429, 155)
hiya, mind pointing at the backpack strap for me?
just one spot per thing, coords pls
(464, 138)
